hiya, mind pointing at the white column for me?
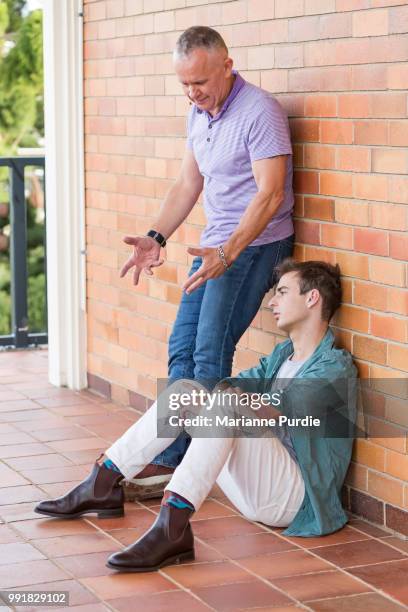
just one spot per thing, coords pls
(65, 215)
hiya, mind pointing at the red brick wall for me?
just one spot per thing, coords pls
(339, 68)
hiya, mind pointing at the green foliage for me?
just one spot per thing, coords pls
(21, 86)
(21, 124)
(15, 12)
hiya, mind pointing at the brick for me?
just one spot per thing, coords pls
(370, 187)
(357, 476)
(391, 105)
(369, 454)
(396, 518)
(288, 56)
(339, 132)
(389, 161)
(398, 19)
(336, 184)
(95, 12)
(261, 57)
(320, 53)
(235, 12)
(398, 189)
(399, 246)
(321, 106)
(373, 76)
(370, 349)
(389, 327)
(304, 28)
(307, 232)
(274, 31)
(371, 132)
(154, 6)
(319, 6)
(319, 208)
(370, 295)
(385, 488)
(306, 182)
(352, 5)
(164, 21)
(387, 271)
(244, 34)
(397, 76)
(371, 241)
(353, 318)
(288, 8)
(133, 7)
(334, 78)
(398, 357)
(275, 81)
(335, 26)
(352, 264)
(354, 105)
(351, 213)
(370, 23)
(318, 156)
(115, 8)
(355, 159)
(396, 411)
(337, 236)
(304, 130)
(397, 301)
(318, 254)
(366, 506)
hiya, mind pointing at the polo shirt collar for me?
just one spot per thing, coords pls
(236, 88)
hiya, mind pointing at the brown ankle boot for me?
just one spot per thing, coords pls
(100, 492)
(169, 540)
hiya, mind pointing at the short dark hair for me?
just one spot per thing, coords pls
(199, 36)
(316, 275)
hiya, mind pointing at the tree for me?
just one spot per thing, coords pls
(21, 124)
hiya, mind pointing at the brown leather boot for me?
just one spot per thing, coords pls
(100, 492)
(169, 540)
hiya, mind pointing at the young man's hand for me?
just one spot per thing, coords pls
(146, 255)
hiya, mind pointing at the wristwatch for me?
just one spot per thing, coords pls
(158, 237)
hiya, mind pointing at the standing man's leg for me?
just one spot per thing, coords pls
(205, 339)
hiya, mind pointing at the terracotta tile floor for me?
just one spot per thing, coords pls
(49, 439)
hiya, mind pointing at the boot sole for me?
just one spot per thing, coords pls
(175, 560)
(134, 492)
(113, 513)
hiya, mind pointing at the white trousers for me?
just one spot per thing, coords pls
(258, 475)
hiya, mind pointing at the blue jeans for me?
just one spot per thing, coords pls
(211, 320)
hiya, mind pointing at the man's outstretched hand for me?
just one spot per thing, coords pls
(146, 255)
(211, 267)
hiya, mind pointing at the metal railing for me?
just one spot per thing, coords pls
(20, 336)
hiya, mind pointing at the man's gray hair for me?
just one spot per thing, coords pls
(199, 36)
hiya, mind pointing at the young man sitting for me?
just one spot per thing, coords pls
(291, 480)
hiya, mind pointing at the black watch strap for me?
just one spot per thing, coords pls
(158, 237)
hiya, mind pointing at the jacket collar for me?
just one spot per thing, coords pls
(286, 349)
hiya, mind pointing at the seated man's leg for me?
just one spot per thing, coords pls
(101, 492)
(257, 474)
(263, 481)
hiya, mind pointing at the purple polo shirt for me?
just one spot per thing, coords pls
(250, 126)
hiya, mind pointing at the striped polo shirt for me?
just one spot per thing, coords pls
(251, 125)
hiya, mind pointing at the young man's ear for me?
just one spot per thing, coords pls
(312, 298)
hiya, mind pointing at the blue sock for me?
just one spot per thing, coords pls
(111, 466)
(177, 502)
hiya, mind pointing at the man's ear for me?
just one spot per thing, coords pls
(312, 298)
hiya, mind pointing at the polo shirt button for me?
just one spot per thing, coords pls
(210, 126)
(208, 139)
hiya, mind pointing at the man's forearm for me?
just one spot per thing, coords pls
(176, 206)
(255, 219)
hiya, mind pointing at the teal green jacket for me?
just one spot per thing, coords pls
(323, 459)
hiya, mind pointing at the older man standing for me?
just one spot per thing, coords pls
(238, 152)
